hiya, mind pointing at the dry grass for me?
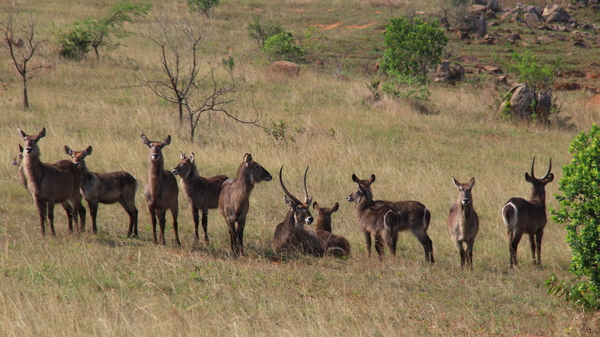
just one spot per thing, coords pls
(109, 285)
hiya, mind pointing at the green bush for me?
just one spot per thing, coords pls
(261, 31)
(530, 72)
(204, 6)
(580, 211)
(75, 43)
(412, 47)
(283, 47)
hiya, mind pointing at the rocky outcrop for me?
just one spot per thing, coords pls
(285, 68)
(555, 13)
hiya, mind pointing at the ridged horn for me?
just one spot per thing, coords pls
(293, 198)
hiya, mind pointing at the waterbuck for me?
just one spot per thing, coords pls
(201, 193)
(64, 164)
(106, 188)
(375, 218)
(234, 200)
(50, 184)
(413, 215)
(161, 191)
(335, 245)
(463, 222)
(291, 235)
(528, 216)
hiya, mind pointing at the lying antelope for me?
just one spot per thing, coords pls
(106, 188)
(375, 217)
(335, 245)
(291, 235)
(161, 191)
(528, 216)
(201, 193)
(50, 184)
(234, 200)
(463, 222)
(412, 215)
(64, 164)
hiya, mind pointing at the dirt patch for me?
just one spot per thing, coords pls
(360, 27)
(594, 100)
(331, 26)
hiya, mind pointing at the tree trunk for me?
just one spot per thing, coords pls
(25, 98)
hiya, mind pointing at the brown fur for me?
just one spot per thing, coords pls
(463, 222)
(528, 216)
(291, 235)
(412, 215)
(107, 188)
(161, 190)
(375, 218)
(201, 193)
(50, 184)
(335, 245)
(234, 200)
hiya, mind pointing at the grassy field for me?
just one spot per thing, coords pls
(108, 285)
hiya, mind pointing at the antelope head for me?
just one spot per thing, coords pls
(155, 147)
(301, 209)
(255, 171)
(185, 164)
(19, 158)
(31, 147)
(464, 192)
(78, 156)
(539, 184)
(363, 189)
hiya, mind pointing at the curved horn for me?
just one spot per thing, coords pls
(306, 199)
(549, 169)
(293, 198)
(532, 164)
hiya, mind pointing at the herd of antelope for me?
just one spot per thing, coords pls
(67, 182)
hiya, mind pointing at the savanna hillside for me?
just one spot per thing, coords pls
(106, 284)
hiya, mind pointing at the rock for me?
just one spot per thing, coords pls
(477, 9)
(513, 37)
(462, 34)
(569, 86)
(480, 28)
(520, 102)
(493, 6)
(502, 79)
(555, 13)
(491, 69)
(445, 72)
(286, 68)
(531, 20)
(456, 72)
(468, 59)
(543, 106)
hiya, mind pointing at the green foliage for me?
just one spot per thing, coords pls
(530, 72)
(283, 47)
(279, 132)
(407, 87)
(261, 31)
(75, 43)
(204, 6)
(580, 212)
(412, 47)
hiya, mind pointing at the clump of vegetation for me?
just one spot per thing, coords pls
(262, 30)
(283, 47)
(580, 211)
(531, 72)
(279, 132)
(95, 33)
(204, 6)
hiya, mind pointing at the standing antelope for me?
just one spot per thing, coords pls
(375, 218)
(291, 235)
(528, 216)
(412, 215)
(335, 245)
(161, 190)
(63, 164)
(463, 222)
(106, 188)
(201, 193)
(234, 200)
(50, 184)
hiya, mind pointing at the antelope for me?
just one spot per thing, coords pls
(161, 190)
(335, 245)
(201, 193)
(106, 188)
(64, 164)
(375, 218)
(463, 222)
(234, 200)
(413, 215)
(291, 235)
(50, 184)
(528, 216)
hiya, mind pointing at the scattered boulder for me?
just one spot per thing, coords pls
(555, 13)
(445, 71)
(285, 68)
(493, 6)
(477, 9)
(543, 106)
(569, 86)
(520, 102)
(531, 20)
(480, 28)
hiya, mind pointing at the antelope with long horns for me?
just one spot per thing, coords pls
(106, 188)
(528, 216)
(375, 218)
(161, 191)
(201, 193)
(463, 222)
(49, 184)
(291, 235)
(234, 201)
(335, 245)
(412, 215)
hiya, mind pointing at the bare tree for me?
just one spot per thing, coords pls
(23, 43)
(195, 90)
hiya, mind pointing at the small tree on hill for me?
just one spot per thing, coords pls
(580, 211)
(204, 6)
(283, 47)
(261, 31)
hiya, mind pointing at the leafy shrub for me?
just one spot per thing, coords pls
(580, 211)
(283, 47)
(204, 6)
(531, 72)
(261, 31)
(75, 43)
(279, 132)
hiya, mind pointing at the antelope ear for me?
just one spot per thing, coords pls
(528, 178)
(372, 178)
(472, 182)
(549, 178)
(288, 201)
(68, 151)
(316, 206)
(20, 149)
(455, 182)
(181, 155)
(335, 207)
(21, 133)
(167, 140)
(145, 140)
(42, 133)
(248, 158)
(355, 178)
(88, 150)
(192, 157)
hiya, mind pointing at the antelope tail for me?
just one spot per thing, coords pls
(426, 218)
(509, 215)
